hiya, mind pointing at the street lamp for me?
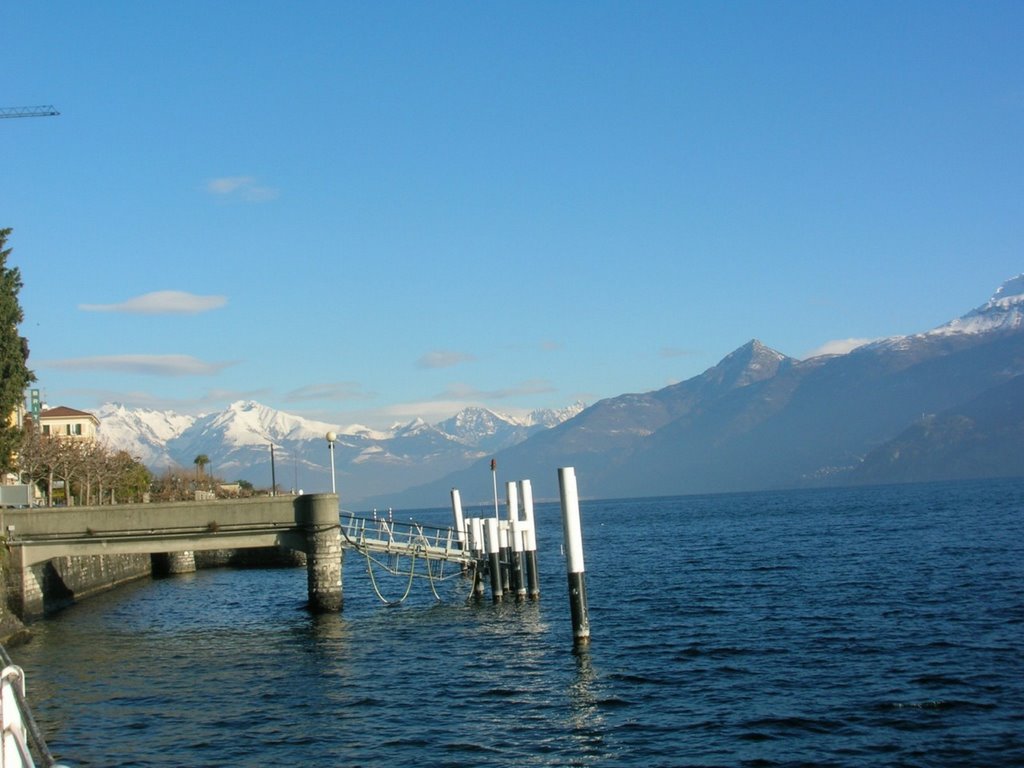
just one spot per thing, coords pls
(273, 473)
(331, 437)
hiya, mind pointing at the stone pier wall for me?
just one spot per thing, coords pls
(40, 580)
(58, 583)
(40, 589)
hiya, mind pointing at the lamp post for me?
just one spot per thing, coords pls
(273, 473)
(331, 437)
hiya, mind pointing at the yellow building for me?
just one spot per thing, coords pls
(67, 422)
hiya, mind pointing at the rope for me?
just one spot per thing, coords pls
(430, 580)
(420, 547)
(408, 587)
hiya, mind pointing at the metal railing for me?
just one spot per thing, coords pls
(19, 726)
(380, 534)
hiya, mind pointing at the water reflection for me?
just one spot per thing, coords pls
(586, 721)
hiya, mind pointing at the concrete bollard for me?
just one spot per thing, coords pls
(530, 540)
(574, 566)
(317, 514)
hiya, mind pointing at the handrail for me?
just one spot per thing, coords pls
(14, 680)
(402, 536)
(167, 531)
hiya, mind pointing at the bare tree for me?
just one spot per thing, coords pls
(70, 462)
(38, 455)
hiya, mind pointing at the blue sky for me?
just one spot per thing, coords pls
(365, 212)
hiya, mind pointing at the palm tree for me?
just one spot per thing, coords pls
(201, 461)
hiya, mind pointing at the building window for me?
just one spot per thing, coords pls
(46, 429)
(73, 429)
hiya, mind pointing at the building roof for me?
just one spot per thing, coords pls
(63, 412)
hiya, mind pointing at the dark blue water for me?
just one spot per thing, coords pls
(878, 627)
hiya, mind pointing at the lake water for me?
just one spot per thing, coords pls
(868, 627)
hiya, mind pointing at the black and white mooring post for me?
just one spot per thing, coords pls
(476, 530)
(530, 540)
(516, 578)
(575, 570)
(516, 582)
(505, 559)
(493, 548)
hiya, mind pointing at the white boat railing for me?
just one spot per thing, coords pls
(18, 726)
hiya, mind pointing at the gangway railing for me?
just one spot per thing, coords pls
(387, 536)
(19, 726)
(397, 548)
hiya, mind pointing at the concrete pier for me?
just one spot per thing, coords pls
(173, 563)
(317, 516)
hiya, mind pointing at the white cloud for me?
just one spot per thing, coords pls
(838, 347)
(464, 392)
(443, 359)
(246, 188)
(161, 303)
(152, 365)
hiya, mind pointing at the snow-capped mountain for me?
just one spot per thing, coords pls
(489, 431)
(238, 443)
(142, 432)
(938, 405)
(1003, 312)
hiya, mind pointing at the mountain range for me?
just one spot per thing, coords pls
(368, 462)
(944, 404)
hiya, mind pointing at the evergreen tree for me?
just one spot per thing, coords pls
(14, 373)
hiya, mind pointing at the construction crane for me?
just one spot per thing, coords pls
(45, 111)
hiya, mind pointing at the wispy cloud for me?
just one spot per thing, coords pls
(444, 359)
(162, 303)
(464, 392)
(838, 347)
(340, 390)
(207, 402)
(245, 188)
(151, 365)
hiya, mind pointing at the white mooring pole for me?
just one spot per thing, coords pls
(530, 544)
(476, 529)
(460, 522)
(513, 554)
(494, 480)
(574, 557)
(493, 549)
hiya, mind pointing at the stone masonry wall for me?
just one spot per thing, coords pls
(55, 584)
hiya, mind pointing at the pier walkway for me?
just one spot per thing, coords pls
(311, 524)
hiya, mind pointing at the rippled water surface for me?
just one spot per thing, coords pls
(875, 627)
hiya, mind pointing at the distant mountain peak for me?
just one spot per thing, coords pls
(749, 363)
(1003, 312)
(1012, 289)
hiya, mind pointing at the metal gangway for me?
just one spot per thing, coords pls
(405, 549)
